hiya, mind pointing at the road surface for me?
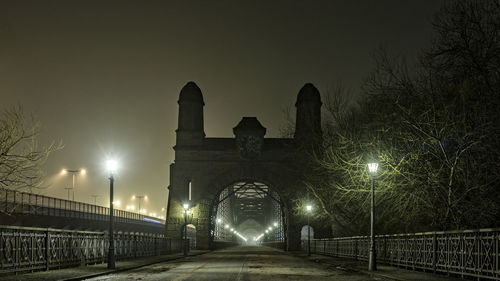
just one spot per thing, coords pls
(244, 263)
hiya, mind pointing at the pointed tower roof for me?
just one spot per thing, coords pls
(308, 93)
(191, 92)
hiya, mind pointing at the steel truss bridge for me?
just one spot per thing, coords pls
(252, 211)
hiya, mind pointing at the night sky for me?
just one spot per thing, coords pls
(104, 77)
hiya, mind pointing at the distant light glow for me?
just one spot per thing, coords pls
(241, 236)
(219, 220)
(309, 208)
(226, 226)
(185, 206)
(83, 171)
(151, 220)
(63, 171)
(117, 203)
(258, 237)
(275, 224)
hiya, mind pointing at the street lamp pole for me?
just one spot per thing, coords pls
(186, 211)
(140, 197)
(372, 259)
(73, 173)
(111, 251)
(308, 208)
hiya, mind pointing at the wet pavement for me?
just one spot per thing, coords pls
(244, 263)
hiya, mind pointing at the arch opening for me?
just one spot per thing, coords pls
(248, 213)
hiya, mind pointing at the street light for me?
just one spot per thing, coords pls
(308, 209)
(186, 212)
(73, 172)
(140, 197)
(112, 166)
(372, 259)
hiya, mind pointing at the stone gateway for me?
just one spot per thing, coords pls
(243, 187)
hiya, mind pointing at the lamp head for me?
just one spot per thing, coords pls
(372, 167)
(112, 166)
(185, 206)
(309, 208)
(83, 171)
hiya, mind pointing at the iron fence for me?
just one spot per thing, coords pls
(17, 202)
(31, 249)
(474, 253)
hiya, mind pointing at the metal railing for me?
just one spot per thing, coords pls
(31, 249)
(16, 202)
(473, 253)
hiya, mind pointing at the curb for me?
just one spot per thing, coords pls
(127, 268)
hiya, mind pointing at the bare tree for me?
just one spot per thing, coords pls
(21, 158)
(434, 128)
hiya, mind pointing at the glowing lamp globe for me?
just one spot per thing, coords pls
(372, 167)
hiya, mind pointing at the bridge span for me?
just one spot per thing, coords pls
(34, 210)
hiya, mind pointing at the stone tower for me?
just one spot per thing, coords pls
(190, 131)
(308, 122)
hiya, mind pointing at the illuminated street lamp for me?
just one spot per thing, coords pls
(372, 262)
(139, 197)
(73, 173)
(308, 209)
(186, 212)
(112, 166)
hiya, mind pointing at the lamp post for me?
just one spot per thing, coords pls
(140, 197)
(308, 209)
(73, 172)
(186, 212)
(111, 166)
(372, 259)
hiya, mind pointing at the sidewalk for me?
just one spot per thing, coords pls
(89, 271)
(384, 272)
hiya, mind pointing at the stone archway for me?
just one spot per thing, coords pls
(253, 208)
(204, 166)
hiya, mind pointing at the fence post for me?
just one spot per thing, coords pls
(356, 248)
(135, 245)
(385, 248)
(156, 245)
(434, 252)
(47, 249)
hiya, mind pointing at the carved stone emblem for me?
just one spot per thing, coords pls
(249, 137)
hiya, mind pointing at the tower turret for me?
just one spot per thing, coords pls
(308, 105)
(190, 131)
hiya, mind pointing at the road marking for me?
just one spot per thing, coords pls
(187, 274)
(239, 276)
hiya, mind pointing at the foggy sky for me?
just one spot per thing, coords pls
(104, 76)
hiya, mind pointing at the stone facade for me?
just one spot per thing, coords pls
(209, 165)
